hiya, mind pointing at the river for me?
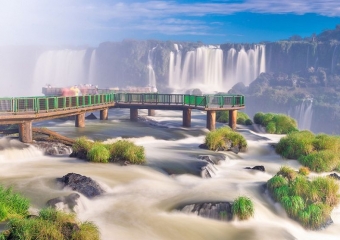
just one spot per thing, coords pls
(139, 200)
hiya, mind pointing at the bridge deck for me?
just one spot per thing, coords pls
(18, 110)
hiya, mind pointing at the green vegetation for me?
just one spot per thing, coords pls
(125, 150)
(12, 204)
(276, 123)
(243, 208)
(320, 153)
(98, 153)
(50, 224)
(121, 150)
(308, 202)
(225, 138)
(242, 118)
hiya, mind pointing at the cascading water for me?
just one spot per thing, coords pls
(152, 75)
(139, 199)
(303, 114)
(60, 68)
(334, 58)
(205, 67)
(92, 68)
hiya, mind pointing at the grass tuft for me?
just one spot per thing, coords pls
(243, 208)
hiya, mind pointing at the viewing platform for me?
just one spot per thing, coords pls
(25, 110)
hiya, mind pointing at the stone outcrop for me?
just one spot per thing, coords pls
(259, 168)
(214, 210)
(81, 184)
(66, 203)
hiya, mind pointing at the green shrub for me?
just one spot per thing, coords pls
(276, 182)
(281, 192)
(12, 204)
(124, 150)
(268, 117)
(300, 186)
(243, 208)
(287, 172)
(309, 202)
(241, 121)
(293, 204)
(271, 128)
(295, 145)
(51, 224)
(249, 122)
(98, 153)
(258, 118)
(304, 171)
(327, 190)
(223, 117)
(276, 123)
(327, 142)
(81, 146)
(314, 216)
(222, 137)
(323, 161)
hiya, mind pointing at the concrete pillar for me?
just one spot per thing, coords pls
(80, 120)
(104, 114)
(211, 120)
(232, 119)
(134, 114)
(151, 112)
(25, 132)
(187, 117)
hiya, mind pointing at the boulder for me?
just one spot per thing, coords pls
(52, 148)
(259, 168)
(334, 175)
(65, 203)
(214, 210)
(82, 184)
(91, 117)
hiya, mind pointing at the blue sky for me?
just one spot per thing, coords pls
(90, 22)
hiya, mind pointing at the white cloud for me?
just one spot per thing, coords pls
(55, 21)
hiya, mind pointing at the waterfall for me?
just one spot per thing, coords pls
(60, 68)
(303, 114)
(92, 68)
(152, 76)
(206, 68)
(334, 58)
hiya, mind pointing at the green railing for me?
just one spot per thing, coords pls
(47, 104)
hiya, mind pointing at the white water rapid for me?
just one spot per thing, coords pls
(139, 200)
(206, 68)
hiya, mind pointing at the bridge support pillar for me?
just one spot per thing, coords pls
(25, 132)
(104, 114)
(151, 112)
(232, 119)
(80, 120)
(187, 117)
(134, 114)
(211, 120)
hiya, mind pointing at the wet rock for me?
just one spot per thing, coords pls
(52, 148)
(335, 176)
(203, 146)
(82, 184)
(259, 168)
(91, 117)
(65, 203)
(214, 210)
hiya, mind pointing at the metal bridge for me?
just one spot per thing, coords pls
(25, 110)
